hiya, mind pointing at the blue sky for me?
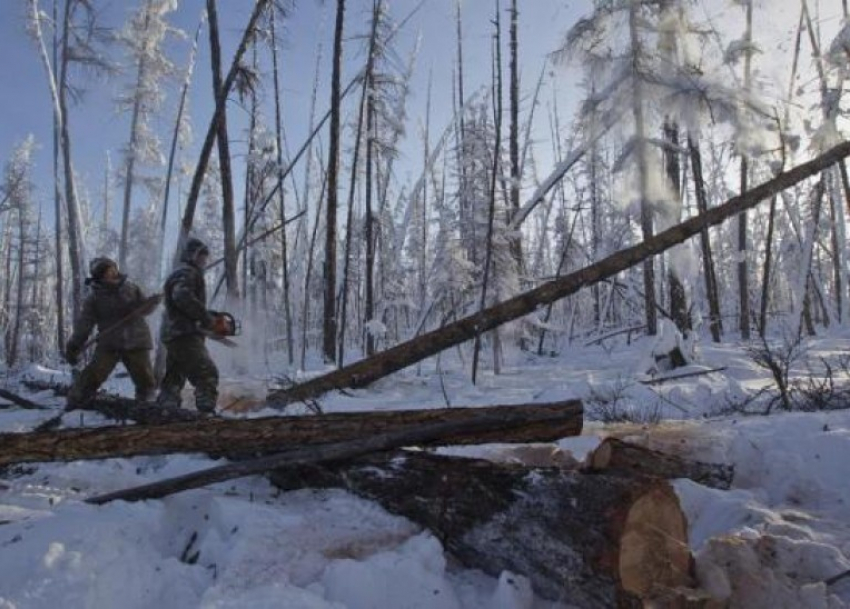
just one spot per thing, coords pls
(97, 128)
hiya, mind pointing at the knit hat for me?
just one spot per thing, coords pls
(98, 266)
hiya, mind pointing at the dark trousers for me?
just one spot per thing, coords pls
(187, 359)
(137, 362)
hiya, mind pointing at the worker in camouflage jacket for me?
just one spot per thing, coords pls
(117, 307)
(184, 325)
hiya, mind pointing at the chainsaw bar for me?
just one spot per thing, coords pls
(222, 340)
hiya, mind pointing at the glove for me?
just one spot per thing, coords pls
(208, 322)
(72, 356)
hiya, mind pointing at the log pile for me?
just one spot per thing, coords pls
(606, 533)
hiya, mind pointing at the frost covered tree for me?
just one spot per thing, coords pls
(80, 42)
(20, 249)
(655, 73)
(144, 36)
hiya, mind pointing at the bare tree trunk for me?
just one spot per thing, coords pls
(15, 330)
(362, 373)
(806, 277)
(768, 263)
(329, 325)
(491, 212)
(220, 102)
(369, 312)
(363, 111)
(678, 298)
(284, 245)
(516, 243)
(75, 243)
(57, 207)
(228, 214)
(715, 321)
(743, 278)
(646, 221)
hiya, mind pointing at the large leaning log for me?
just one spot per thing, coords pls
(613, 456)
(366, 371)
(584, 539)
(245, 437)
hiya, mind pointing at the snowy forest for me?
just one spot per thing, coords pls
(620, 236)
(328, 250)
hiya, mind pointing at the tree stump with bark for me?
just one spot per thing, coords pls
(614, 456)
(586, 539)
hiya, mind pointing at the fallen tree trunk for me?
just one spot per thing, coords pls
(589, 540)
(14, 398)
(616, 457)
(432, 431)
(250, 437)
(113, 407)
(364, 372)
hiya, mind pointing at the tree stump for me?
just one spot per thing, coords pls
(586, 539)
(614, 456)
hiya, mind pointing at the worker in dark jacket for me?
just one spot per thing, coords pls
(184, 325)
(118, 308)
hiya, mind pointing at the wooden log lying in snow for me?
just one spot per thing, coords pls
(613, 456)
(243, 437)
(586, 539)
(114, 407)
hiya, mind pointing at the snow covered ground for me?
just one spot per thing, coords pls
(780, 538)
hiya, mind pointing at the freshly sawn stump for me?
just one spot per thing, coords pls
(614, 456)
(584, 539)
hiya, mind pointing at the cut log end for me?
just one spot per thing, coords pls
(653, 547)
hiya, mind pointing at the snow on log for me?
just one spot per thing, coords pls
(614, 456)
(590, 540)
(250, 437)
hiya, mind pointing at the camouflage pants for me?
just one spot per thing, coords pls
(137, 362)
(187, 358)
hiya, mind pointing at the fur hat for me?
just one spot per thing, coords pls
(194, 247)
(98, 266)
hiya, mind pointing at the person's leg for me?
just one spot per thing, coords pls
(91, 378)
(174, 379)
(138, 364)
(203, 374)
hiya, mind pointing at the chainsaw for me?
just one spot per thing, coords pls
(223, 325)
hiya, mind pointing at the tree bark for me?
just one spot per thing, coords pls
(329, 325)
(616, 457)
(212, 130)
(366, 371)
(284, 246)
(595, 540)
(511, 424)
(228, 214)
(743, 230)
(715, 321)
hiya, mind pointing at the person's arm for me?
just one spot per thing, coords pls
(147, 305)
(183, 297)
(82, 328)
